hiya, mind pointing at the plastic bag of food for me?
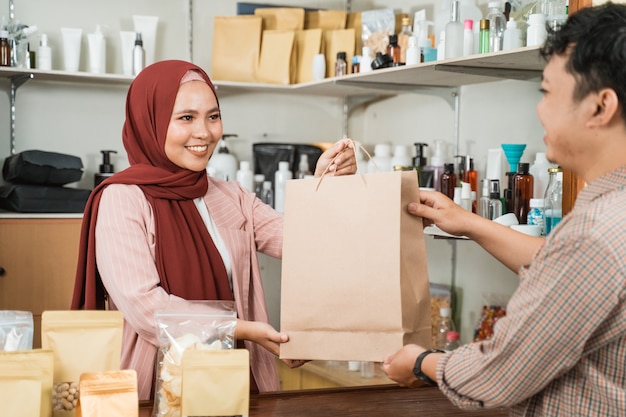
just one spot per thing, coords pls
(376, 26)
(440, 297)
(494, 308)
(210, 326)
(16, 330)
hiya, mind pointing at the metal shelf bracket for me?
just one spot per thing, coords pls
(16, 82)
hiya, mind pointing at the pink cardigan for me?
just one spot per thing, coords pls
(125, 258)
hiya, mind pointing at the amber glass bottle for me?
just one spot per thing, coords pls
(523, 187)
(393, 49)
(448, 180)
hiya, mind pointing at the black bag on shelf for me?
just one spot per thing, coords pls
(24, 198)
(42, 167)
(268, 155)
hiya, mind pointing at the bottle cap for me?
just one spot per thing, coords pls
(448, 168)
(43, 40)
(537, 19)
(381, 61)
(466, 191)
(341, 55)
(437, 158)
(468, 24)
(512, 24)
(536, 202)
(522, 167)
(445, 311)
(138, 40)
(484, 24)
(393, 39)
(244, 165)
(283, 166)
(406, 21)
(494, 189)
(382, 149)
(4, 34)
(493, 4)
(452, 336)
(106, 167)
(267, 185)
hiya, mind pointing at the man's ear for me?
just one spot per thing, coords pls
(606, 105)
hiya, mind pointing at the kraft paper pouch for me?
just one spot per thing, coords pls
(354, 274)
(281, 18)
(110, 394)
(216, 383)
(26, 383)
(82, 341)
(278, 58)
(308, 44)
(236, 46)
(353, 21)
(325, 19)
(338, 41)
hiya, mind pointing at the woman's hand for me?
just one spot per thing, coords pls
(265, 335)
(340, 159)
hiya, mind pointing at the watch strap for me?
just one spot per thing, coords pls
(417, 369)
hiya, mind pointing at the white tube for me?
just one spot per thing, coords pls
(71, 48)
(128, 43)
(97, 52)
(494, 165)
(147, 26)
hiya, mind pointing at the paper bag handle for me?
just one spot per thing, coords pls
(354, 144)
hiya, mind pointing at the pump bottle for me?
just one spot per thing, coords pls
(223, 162)
(280, 181)
(139, 55)
(106, 168)
(425, 175)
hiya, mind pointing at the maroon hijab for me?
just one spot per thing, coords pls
(188, 263)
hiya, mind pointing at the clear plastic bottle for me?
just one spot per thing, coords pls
(468, 37)
(268, 196)
(444, 326)
(497, 26)
(452, 341)
(523, 185)
(303, 167)
(494, 206)
(280, 181)
(341, 66)
(483, 202)
(553, 199)
(403, 37)
(454, 33)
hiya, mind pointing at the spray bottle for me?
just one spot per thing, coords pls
(106, 168)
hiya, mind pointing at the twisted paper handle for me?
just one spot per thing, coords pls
(354, 144)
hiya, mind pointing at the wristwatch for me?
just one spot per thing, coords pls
(417, 369)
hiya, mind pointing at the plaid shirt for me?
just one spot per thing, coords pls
(561, 349)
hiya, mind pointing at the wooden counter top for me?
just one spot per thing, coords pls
(372, 401)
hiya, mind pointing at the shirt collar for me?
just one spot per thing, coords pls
(605, 184)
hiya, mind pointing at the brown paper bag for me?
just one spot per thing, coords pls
(26, 383)
(325, 19)
(281, 18)
(236, 44)
(308, 44)
(110, 394)
(216, 382)
(278, 63)
(354, 22)
(354, 275)
(338, 41)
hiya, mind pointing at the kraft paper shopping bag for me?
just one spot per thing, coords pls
(354, 274)
(236, 48)
(278, 62)
(308, 44)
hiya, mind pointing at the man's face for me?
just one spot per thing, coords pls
(563, 119)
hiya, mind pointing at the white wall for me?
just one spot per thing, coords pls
(82, 119)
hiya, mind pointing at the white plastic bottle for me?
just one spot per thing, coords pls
(381, 161)
(539, 171)
(280, 181)
(139, 55)
(224, 163)
(413, 52)
(401, 157)
(267, 195)
(468, 37)
(366, 60)
(536, 34)
(512, 36)
(437, 164)
(454, 33)
(44, 54)
(497, 25)
(245, 177)
(303, 167)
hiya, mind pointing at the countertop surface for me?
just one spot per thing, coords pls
(4, 214)
(371, 401)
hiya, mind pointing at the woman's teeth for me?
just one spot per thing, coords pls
(202, 148)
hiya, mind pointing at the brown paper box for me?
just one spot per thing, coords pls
(236, 46)
(354, 274)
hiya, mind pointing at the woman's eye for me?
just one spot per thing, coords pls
(543, 90)
(215, 116)
(186, 118)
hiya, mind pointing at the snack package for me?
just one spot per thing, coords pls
(440, 297)
(210, 325)
(376, 26)
(16, 330)
(494, 308)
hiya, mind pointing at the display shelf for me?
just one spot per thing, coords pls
(64, 76)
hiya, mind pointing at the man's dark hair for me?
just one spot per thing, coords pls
(595, 40)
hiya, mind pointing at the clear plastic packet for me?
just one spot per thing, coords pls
(376, 26)
(210, 326)
(440, 297)
(16, 330)
(494, 308)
